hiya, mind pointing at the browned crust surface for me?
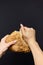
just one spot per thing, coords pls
(20, 45)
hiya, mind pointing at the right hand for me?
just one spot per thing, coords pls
(28, 33)
(29, 37)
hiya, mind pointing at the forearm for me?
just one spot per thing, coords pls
(37, 52)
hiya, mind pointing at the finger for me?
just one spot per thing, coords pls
(22, 30)
(3, 39)
(25, 28)
(21, 25)
(31, 28)
(11, 43)
(23, 34)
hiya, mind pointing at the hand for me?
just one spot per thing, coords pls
(28, 33)
(4, 46)
(29, 37)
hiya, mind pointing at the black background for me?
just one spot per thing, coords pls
(12, 13)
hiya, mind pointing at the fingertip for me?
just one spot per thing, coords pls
(21, 25)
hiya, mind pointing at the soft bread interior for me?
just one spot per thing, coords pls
(20, 45)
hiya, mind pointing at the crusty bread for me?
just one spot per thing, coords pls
(20, 45)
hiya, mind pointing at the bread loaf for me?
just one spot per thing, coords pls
(20, 45)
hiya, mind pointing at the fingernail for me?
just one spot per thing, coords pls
(21, 25)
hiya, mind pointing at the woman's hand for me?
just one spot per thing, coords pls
(28, 33)
(29, 37)
(4, 46)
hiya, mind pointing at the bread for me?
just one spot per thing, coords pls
(20, 45)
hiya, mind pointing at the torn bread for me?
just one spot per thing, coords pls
(20, 45)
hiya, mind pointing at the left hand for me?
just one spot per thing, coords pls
(4, 46)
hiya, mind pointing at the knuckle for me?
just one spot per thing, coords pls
(31, 28)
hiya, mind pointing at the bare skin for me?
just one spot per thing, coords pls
(30, 38)
(4, 46)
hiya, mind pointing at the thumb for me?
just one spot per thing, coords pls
(11, 43)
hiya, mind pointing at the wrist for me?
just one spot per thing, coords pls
(32, 40)
(33, 44)
(2, 50)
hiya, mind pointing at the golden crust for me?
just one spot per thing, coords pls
(20, 45)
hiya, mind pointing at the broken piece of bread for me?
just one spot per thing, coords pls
(20, 45)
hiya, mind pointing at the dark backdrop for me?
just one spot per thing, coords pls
(12, 13)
